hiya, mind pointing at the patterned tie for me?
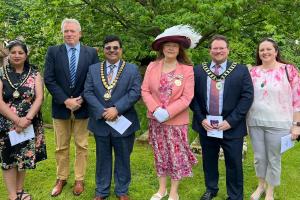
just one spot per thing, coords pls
(110, 73)
(73, 67)
(214, 95)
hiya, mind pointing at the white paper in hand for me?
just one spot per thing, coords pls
(121, 124)
(215, 121)
(16, 138)
(286, 143)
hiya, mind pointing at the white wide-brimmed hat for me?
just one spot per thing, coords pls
(181, 34)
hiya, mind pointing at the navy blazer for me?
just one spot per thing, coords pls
(125, 94)
(237, 100)
(57, 79)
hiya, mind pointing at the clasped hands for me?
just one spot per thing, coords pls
(73, 103)
(21, 124)
(223, 126)
(161, 115)
(110, 114)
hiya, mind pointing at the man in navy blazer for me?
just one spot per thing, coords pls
(234, 96)
(66, 67)
(111, 90)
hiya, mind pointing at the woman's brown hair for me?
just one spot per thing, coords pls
(276, 47)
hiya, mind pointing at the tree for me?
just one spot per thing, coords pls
(139, 22)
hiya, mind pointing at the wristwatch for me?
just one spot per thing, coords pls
(296, 123)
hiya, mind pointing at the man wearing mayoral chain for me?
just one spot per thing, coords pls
(112, 88)
(223, 96)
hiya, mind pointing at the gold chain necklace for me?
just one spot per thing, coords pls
(110, 86)
(218, 78)
(16, 93)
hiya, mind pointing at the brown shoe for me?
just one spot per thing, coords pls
(58, 187)
(123, 197)
(99, 198)
(78, 188)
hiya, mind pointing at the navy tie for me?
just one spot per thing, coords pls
(73, 67)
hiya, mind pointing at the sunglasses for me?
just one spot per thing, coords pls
(109, 48)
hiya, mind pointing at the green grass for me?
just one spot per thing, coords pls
(39, 182)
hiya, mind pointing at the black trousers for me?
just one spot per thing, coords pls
(233, 161)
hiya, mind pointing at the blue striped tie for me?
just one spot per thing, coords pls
(73, 67)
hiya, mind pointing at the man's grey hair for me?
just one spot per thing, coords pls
(73, 21)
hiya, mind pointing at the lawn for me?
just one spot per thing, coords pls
(40, 181)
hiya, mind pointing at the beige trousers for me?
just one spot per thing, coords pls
(63, 130)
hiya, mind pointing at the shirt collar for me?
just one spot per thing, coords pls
(223, 65)
(77, 47)
(117, 63)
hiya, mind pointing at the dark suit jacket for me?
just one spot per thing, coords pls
(237, 100)
(57, 79)
(125, 94)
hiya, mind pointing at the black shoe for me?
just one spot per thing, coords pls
(208, 196)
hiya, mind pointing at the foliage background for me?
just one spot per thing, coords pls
(138, 22)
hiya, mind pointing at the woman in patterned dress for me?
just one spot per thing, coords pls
(21, 97)
(274, 113)
(167, 91)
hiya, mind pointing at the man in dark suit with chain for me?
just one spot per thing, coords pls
(222, 89)
(111, 89)
(66, 67)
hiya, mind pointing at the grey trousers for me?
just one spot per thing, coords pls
(266, 142)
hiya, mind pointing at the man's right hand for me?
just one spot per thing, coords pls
(206, 125)
(73, 103)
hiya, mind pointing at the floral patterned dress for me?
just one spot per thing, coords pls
(24, 155)
(172, 154)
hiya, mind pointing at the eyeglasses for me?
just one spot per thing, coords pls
(220, 48)
(109, 48)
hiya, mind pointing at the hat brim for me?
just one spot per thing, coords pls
(181, 40)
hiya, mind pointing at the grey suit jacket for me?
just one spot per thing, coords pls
(125, 94)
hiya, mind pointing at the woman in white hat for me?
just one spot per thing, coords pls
(167, 91)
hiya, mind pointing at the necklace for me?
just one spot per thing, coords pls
(218, 78)
(264, 81)
(110, 86)
(16, 93)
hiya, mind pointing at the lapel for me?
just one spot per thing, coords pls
(81, 63)
(204, 83)
(178, 73)
(226, 84)
(65, 61)
(97, 77)
(157, 75)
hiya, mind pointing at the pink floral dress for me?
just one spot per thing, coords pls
(23, 155)
(172, 154)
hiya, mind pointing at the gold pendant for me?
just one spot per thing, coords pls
(219, 85)
(177, 82)
(16, 94)
(107, 95)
